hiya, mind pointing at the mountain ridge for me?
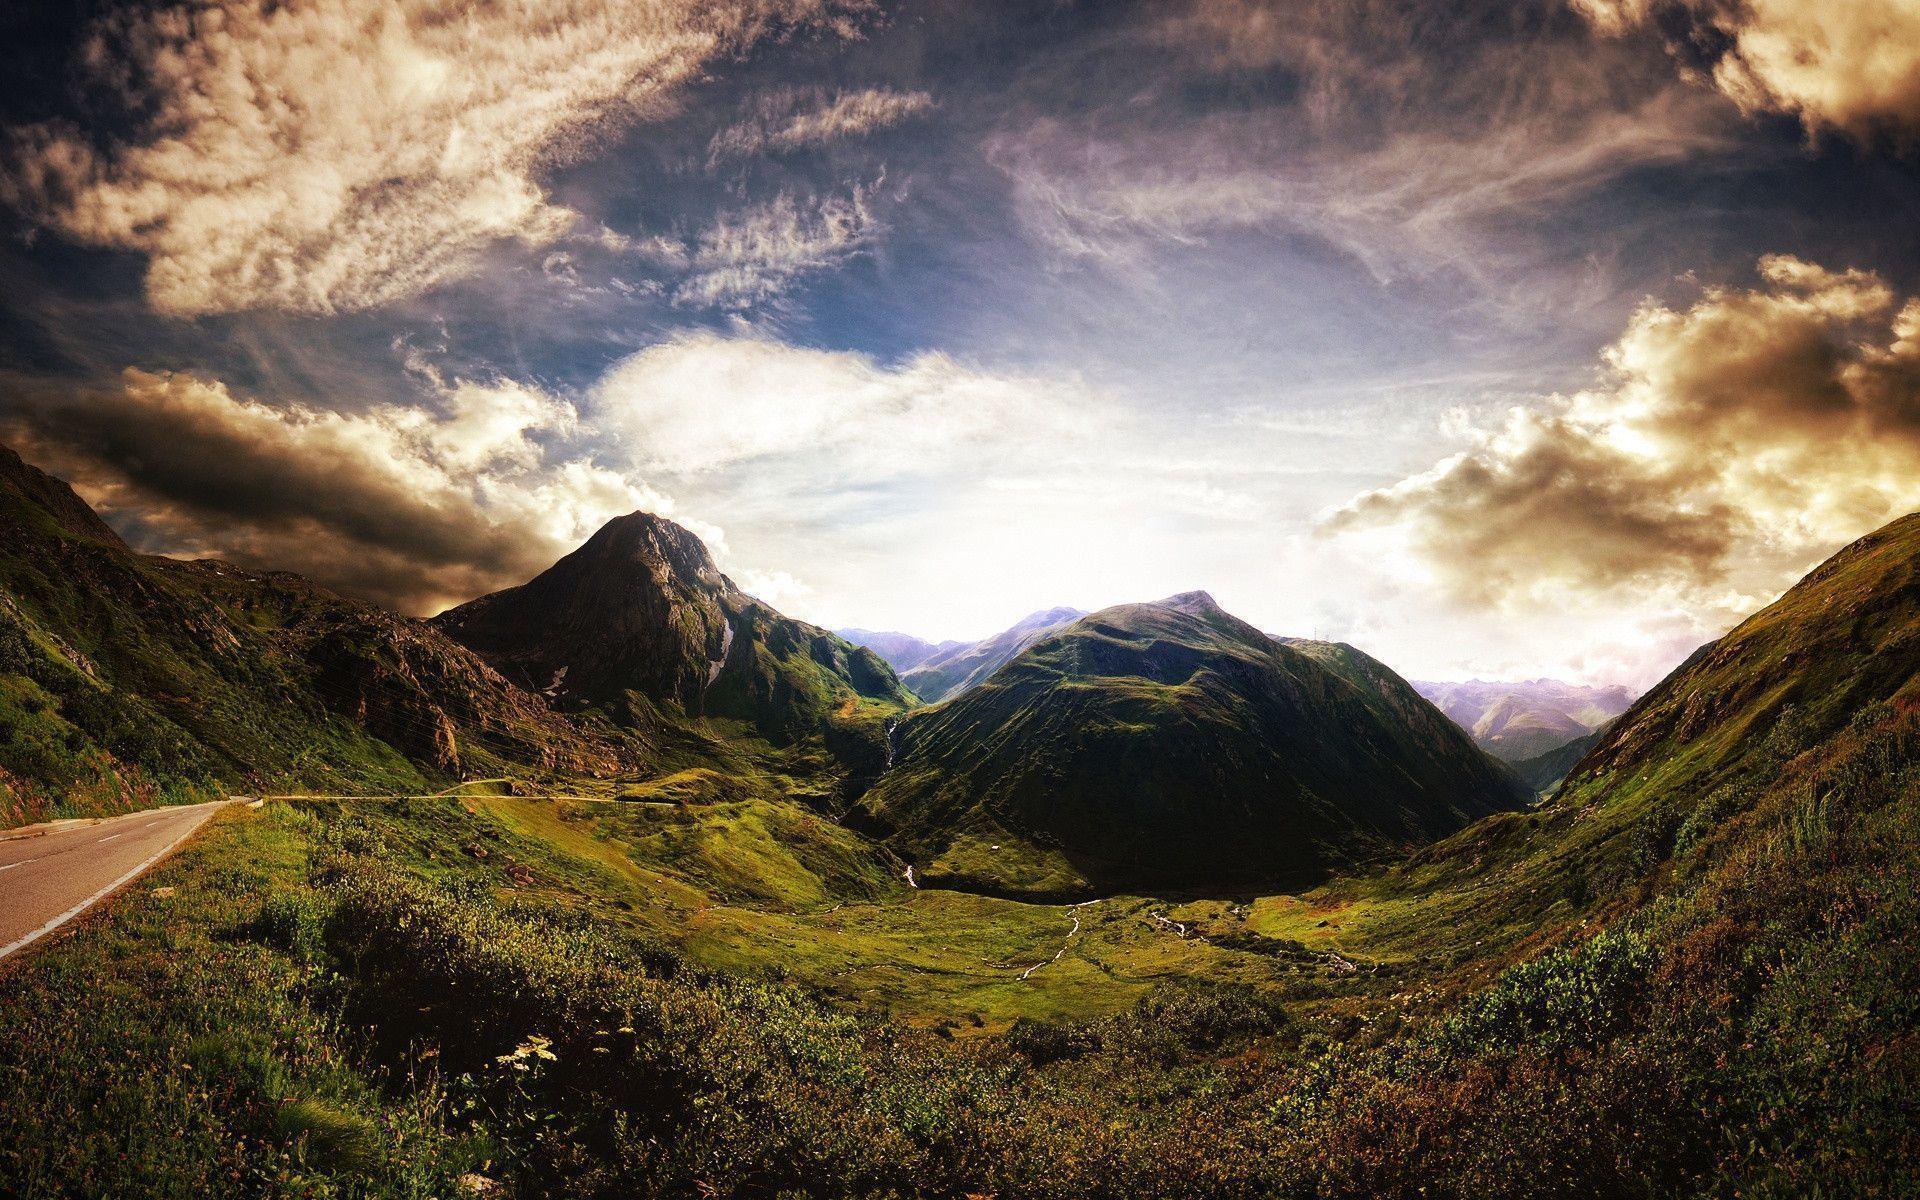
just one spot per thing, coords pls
(1170, 741)
(944, 675)
(640, 624)
(127, 677)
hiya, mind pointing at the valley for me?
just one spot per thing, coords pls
(626, 884)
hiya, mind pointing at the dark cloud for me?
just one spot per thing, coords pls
(1735, 442)
(414, 507)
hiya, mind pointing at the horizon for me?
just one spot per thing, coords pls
(1536, 341)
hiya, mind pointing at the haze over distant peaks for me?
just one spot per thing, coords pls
(903, 651)
(952, 667)
(1523, 719)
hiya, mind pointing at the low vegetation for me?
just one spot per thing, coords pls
(1693, 972)
(346, 1005)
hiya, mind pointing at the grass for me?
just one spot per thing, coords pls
(589, 999)
(169, 1053)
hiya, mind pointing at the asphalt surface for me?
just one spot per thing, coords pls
(49, 879)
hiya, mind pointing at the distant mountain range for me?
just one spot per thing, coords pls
(903, 651)
(946, 670)
(1516, 721)
(1172, 743)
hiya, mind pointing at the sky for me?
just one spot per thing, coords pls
(1501, 339)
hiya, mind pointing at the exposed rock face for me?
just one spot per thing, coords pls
(641, 610)
(639, 607)
(1171, 744)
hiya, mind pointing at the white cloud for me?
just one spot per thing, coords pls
(784, 119)
(752, 256)
(930, 491)
(340, 154)
(702, 402)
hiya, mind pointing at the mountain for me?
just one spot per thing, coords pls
(952, 671)
(903, 651)
(1840, 646)
(1523, 719)
(125, 677)
(1514, 731)
(639, 623)
(1174, 744)
(1543, 772)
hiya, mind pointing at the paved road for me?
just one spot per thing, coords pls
(48, 880)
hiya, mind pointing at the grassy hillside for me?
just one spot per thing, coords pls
(1544, 772)
(1692, 973)
(1171, 743)
(379, 1000)
(126, 679)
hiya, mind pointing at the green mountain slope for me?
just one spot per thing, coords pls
(946, 674)
(1174, 744)
(125, 678)
(640, 624)
(1844, 638)
(1543, 772)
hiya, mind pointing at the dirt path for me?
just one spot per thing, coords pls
(1073, 910)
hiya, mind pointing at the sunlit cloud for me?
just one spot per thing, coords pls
(1734, 444)
(340, 155)
(413, 506)
(1397, 142)
(787, 118)
(754, 255)
(1846, 65)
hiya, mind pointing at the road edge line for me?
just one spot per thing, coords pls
(28, 940)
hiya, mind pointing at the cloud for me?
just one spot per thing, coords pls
(1733, 444)
(342, 154)
(931, 491)
(1414, 143)
(703, 402)
(754, 255)
(414, 507)
(785, 119)
(1846, 65)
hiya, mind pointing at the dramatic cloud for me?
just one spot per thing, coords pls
(752, 256)
(1399, 141)
(1736, 443)
(795, 118)
(413, 507)
(1849, 65)
(338, 154)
